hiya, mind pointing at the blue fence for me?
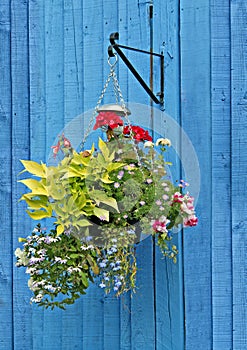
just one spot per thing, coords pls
(53, 64)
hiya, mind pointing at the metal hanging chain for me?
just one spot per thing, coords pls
(119, 99)
(95, 112)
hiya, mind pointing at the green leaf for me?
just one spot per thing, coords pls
(99, 212)
(38, 214)
(101, 197)
(74, 172)
(114, 166)
(83, 223)
(35, 186)
(60, 229)
(105, 179)
(104, 149)
(84, 279)
(35, 203)
(34, 168)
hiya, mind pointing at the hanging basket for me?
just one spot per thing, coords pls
(104, 200)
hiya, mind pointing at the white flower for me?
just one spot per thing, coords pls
(163, 142)
(37, 299)
(148, 144)
(22, 257)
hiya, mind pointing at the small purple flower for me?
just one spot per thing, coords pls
(116, 184)
(47, 240)
(125, 216)
(165, 197)
(161, 208)
(120, 174)
(142, 203)
(158, 202)
(149, 181)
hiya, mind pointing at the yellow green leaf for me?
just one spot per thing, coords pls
(34, 203)
(35, 186)
(105, 179)
(34, 168)
(38, 214)
(114, 166)
(83, 223)
(101, 197)
(60, 229)
(104, 149)
(101, 213)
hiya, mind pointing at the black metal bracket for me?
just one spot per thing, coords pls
(116, 47)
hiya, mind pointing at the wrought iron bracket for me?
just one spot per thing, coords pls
(117, 47)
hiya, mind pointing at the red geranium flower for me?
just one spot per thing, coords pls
(139, 134)
(107, 118)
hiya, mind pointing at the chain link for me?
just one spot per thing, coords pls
(119, 99)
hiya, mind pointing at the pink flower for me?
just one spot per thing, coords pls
(190, 221)
(178, 197)
(160, 225)
(56, 149)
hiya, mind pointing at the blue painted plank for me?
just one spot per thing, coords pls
(239, 173)
(142, 303)
(22, 317)
(73, 59)
(93, 301)
(53, 39)
(221, 177)
(169, 277)
(6, 282)
(73, 104)
(195, 108)
(37, 122)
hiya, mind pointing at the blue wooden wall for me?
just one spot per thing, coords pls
(53, 65)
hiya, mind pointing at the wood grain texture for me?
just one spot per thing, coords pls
(169, 276)
(239, 170)
(93, 80)
(142, 302)
(196, 121)
(22, 311)
(54, 110)
(37, 117)
(221, 176)
(53, 64)
(6, 250)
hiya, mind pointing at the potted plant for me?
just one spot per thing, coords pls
(101, 200)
